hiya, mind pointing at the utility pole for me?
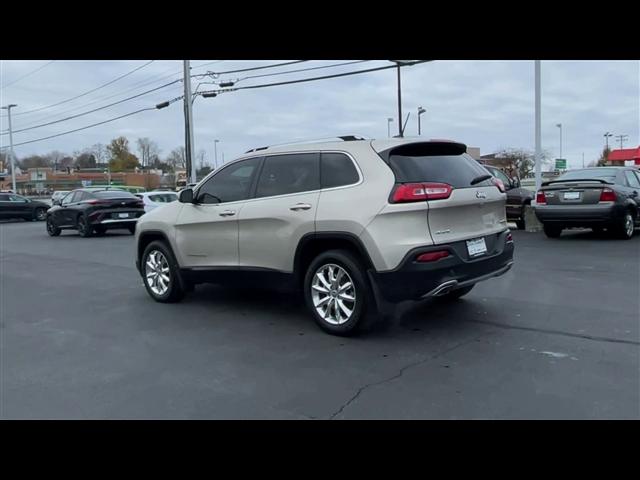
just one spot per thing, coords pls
(188, 123)
(559, 125)
(399, 103)
(621, 138)
(389, 120)
(582, 159)
(13, 166)
(538, 122)
(215, 154)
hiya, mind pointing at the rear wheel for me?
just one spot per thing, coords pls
(39, 214)
(626, 226)
(52, 230)
(337, 292)
(84, 229)
(552, 231)
(160, 273)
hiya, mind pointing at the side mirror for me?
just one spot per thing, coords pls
(186, 195)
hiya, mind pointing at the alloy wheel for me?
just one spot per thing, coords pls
(157, 272)
(333, 294)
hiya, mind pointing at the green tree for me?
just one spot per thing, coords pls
(121, 158)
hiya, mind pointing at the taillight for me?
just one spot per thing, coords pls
(540, 198)
(432, 256)
(96, 202)
(607, 195)
(416, 192)
(499, 183)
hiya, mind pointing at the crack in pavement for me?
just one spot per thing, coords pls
(402, 370)
(556, 332)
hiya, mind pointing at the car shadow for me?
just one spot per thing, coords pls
(588, 234)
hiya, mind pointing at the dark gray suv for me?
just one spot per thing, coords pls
(599, 198)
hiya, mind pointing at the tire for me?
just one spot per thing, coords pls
(39, 214)
(100, 230)
(455, 294)
(52, 230)
(552, 231)
(159, 256)
(345, 268)
(625, 228)
(520, 224)
(84, 229)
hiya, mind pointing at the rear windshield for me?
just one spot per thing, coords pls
(163, 197)
(114, 194)
(456, 170)
(608, 174)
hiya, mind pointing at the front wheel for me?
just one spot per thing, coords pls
(552, 231)
(160, 272)
(52, 230)
(337, 292)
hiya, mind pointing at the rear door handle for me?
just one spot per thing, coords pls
(300, 206)
(227, 213)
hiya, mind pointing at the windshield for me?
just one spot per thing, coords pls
(163, 197)
(608, 174)
(114, 194)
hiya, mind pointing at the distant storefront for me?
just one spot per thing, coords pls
(624, 156)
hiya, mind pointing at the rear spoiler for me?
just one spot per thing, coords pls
(544, 184)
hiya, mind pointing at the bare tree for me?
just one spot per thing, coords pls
(177, 158)
(148, 149)
(100, 153)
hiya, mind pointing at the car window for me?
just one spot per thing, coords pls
(17, 198)
(114, 194)
(163, 197)
(607, 174)
(416, 164)
(69, 198)
(336, 170)
(231, 184)
(283, 174)
(4, 197)
(637, 175)
(500, 175)
(632, 179)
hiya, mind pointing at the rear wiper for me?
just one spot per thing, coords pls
(481, 178)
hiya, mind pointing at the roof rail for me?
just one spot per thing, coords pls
(345, 138)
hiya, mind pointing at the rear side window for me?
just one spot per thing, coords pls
(163, 198)
(336, 170)
(455, 170)
(632, 179)
(283, 174)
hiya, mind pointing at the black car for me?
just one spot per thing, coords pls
(599, 198)
(15, 206)
(94, 211)
(517, 197)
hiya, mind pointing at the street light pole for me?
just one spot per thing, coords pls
(389, 120)
(538, 121)
(606, 138)
(188, 123)
(215, 154)
(13, 166)
(399, 103)
(420, 112)
(559, 125)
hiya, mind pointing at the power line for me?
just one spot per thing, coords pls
(357, 72)
(249, 69)
(303, 69)
(86, 127)
(87, 92)
(157, 107)
(27, 74)
(92, 111)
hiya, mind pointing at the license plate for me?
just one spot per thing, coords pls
(571, 195)
(477, 246)
(123, 215)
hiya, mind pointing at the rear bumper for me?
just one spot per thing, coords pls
(413, 280)
(579, 215)
(110, 218)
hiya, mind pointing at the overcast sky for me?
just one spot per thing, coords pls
(485, 104)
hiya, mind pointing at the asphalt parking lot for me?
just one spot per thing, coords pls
(556, 337)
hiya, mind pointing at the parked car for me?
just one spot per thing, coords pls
(355, 225)
(517, 197)
(16, 206)
(58, 195)
(601, 198)
(95, 211)
(156, 198)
